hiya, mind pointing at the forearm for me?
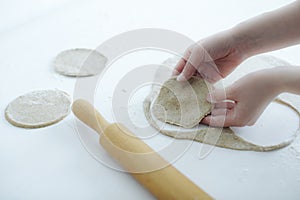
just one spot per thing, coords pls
(269, 31)
(281, 79)
(289, 78)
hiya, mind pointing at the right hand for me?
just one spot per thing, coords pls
(242, 103)
(212, 58)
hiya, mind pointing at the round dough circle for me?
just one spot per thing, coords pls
(38, 108)
(79, 62)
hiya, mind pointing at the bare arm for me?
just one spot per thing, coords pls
(217, 56)
(270, 31)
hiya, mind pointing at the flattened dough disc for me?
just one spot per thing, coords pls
(79, 62)
(173, 103)
(38, 108)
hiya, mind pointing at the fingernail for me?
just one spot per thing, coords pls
(209, 98)
(181, 78)
(175, 73)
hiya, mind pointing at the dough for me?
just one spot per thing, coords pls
(224, 137)
(173, 103)
(79, 62)
(221, 137)
(38, 108)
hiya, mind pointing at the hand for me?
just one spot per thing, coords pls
(246, 99)
(215, 57)
(212, 58)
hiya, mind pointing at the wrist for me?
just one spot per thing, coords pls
(287, 78)
(245, 42)
(271, 80)
(281, 79)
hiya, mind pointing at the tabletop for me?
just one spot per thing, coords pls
(57, 162)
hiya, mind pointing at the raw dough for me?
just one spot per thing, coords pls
(173, 103)
(38, 108)
(79, 62)
(224, 137)
(221, 137)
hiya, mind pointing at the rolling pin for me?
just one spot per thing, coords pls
(151, 170)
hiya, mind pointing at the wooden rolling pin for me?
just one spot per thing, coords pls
(144, 164)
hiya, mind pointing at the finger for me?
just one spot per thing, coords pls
(217, 95)
(187, 72)
(197, 74)
(179, 67)
(205, 120)
(204, 64)
(220, 111)
(182, 62)
(218, 120)
(222, 119)
(195, 57)
(221, 94)
(227, 104)
(209, 71)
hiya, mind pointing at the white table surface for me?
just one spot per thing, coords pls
(51, 162)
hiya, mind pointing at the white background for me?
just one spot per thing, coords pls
(51, 163)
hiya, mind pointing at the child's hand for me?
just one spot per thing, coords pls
(246, 99)
(212, 58)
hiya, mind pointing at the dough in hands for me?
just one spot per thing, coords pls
(182, 103)
(221, 137)
(38, 108)
(79, 62)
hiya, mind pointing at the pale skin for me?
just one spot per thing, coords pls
(215, 57)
